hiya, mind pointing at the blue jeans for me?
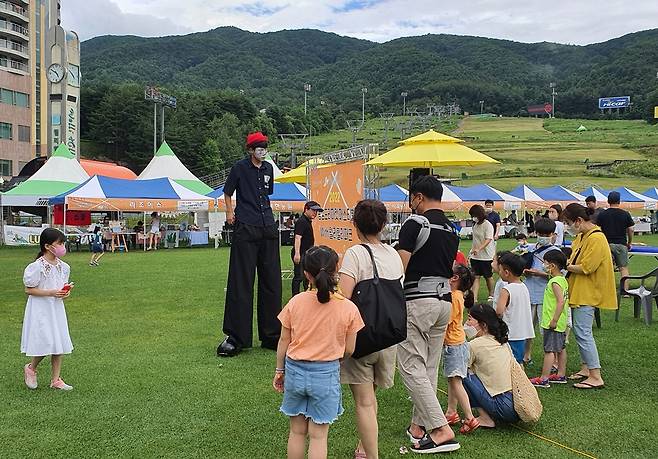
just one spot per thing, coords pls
(582, 329)
(499, 407)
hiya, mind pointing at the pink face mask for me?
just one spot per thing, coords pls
(59, 251)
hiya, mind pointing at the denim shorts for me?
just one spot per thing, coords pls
(455, 360)
(312, 389)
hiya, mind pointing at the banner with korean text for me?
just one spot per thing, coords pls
(337, 188)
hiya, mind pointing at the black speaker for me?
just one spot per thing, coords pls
(415, 174)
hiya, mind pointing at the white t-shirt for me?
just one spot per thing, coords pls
(518, 315)
(358, 265)
(481, 232)
(497, 288)
(559, 233)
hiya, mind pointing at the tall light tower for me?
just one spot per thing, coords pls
(404, 95)
(553, 94)
(481, 107)
(363, 104)
(307, 89)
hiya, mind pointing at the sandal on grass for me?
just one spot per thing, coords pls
(469, 425)
(577, 376)
(415, 439)
(587, 386)
(360, 454)
(427, 446)
(453, 418)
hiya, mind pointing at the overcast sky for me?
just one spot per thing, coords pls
(562, 21)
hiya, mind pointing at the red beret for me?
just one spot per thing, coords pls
(256, 138)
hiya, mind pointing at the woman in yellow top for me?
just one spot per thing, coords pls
(591, 285)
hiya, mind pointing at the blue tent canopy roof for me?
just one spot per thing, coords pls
(282, 192)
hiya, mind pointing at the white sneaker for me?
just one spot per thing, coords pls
(61, 385)
(30, 377)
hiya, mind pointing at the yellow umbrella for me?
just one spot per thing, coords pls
(431, 149)
(296, 175)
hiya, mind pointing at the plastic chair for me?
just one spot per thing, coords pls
(642, 296)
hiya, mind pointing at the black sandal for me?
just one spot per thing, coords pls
(427, 446)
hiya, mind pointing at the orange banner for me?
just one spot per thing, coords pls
(337, 188)
(137, 205)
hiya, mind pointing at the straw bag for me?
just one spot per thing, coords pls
(524, 395)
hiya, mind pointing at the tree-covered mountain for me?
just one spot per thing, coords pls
(229, 81)
(271, 68)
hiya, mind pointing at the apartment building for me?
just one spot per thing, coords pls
(39, 83)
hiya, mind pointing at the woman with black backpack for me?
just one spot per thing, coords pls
(377, 369)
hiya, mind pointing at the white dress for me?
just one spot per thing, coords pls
(45, 328)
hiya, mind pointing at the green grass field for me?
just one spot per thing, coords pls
(536, 152)
(148, 384)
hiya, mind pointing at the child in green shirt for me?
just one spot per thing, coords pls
(554, 320)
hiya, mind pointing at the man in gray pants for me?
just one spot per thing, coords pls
(427, 291)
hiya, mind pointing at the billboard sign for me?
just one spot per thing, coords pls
(614, 102)
(540, 109)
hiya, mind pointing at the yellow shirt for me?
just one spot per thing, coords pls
(455, 331)
(596, 286)
(492, 363)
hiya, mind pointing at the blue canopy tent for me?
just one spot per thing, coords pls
(559, 193)
(628, 195)
(287, 197)
(651, 193)
(599, 194)
(480, 193)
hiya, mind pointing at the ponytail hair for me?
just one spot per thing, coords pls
(48, 237)
(465, 283)
(321, 263)
(486, 315)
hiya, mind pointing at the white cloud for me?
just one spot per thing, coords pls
(560, 21)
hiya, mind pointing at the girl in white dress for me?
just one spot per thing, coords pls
(45, 328)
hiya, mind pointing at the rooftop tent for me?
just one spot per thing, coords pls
(393, 193)
(600, 195)
(559, 193)
(59, 174)
(151, 195)
(628, 195)
(165, 164)
(651, 193)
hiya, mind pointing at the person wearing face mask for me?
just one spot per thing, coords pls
(428, 269)
(591, 285)
(482, 251)
(45, 327)
(489, 381)
(535, 276)
(554, 213)
(254, 247)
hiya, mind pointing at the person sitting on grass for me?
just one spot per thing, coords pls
(489, 382)
(455, 350)
(554, 321)
(318, 327)
(96, 247)
(513, 305)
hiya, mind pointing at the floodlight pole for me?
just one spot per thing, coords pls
(363, 104)
(404, 95)
(481, 107)
(307, 88)
(155, 128)
(553, 93)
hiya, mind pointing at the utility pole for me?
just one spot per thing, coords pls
(307, 89)
(363, 104)
(481, 107)
(404, 95)
(553, 94)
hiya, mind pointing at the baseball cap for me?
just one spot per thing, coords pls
(313, 206)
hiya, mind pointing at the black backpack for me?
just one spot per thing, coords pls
(528, 257)
(383, 310)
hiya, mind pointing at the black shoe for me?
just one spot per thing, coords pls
(227, 349)
(270, 344)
